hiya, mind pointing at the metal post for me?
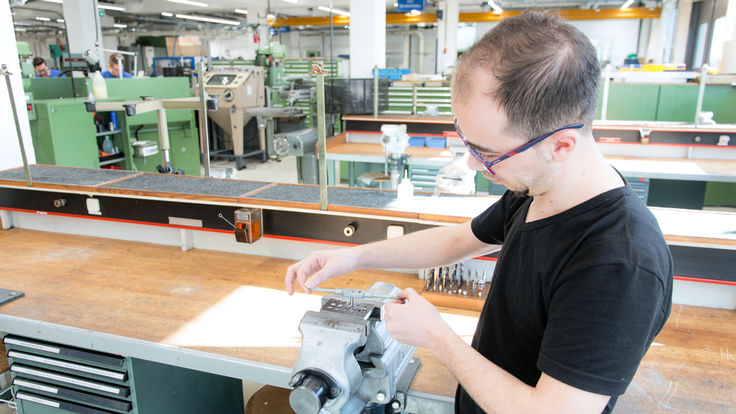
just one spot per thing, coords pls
(163, 137)
(204, 138)
(7, 74)
(120, 67)
(701, 92)
(606, 89)
(321, 135)
(375, 91)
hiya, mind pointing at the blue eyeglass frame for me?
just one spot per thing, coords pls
(518, 150)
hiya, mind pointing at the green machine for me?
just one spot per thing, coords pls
(64, 133)
(271, 57)
(24, 58)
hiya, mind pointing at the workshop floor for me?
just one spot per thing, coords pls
(283, 171)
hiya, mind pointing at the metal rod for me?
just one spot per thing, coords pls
(204, 136)
(375, 91)
(701, 92)
(322, 139)
(17, 124)
(606, 89)
(163, 137)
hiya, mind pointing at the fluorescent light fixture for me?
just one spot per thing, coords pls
(496, 8)
(207, 19)
(43, 19)
(627, 4)
(20, 29)
(120, 25)
(292, 1)
(189, 3)
(414, 12)
(105, 6)
(59, 20)
(241, 11)
(335, 11)
(167, 14)
(270, 16)
(54, 1)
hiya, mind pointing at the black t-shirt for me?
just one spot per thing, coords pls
(579, 296)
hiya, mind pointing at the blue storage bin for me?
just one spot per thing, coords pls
(436, 142)
(417, 141)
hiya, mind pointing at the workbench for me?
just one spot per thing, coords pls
(198, 300)
(669, 153)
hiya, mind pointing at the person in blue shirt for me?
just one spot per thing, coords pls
(113, 68)
(43, 70)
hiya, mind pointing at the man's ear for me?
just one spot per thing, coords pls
(563, 144)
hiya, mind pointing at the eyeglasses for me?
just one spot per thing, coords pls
(489, 164)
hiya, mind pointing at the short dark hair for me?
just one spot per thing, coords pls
(547, 72)
(38, 60)
(114, 58)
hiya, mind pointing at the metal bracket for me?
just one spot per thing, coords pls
(644, 134)
(7, 296)
(402, 386)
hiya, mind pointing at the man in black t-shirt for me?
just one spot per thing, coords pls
(584, 279)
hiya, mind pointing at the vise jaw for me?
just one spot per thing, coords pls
(348, 360)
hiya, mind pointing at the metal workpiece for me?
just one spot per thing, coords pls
(356, 293)
(348, 359)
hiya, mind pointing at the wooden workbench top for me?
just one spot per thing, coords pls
(234, 305)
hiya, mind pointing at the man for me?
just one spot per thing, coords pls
(43, 70)
(114, 69)
(584, 280)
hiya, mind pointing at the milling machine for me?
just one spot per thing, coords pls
(348, 362)
(238, 90)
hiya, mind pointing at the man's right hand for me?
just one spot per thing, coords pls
(318, 267)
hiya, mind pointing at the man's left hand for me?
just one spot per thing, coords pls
(415, 321)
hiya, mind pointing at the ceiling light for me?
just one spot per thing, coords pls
(189, 3)
(270, 16)
(241, 11)
(20, 29)
(396, 4)
(292, 1)
(167, 14)
(207, 19)
(120, 25)
(335, 11)
(627, 4)
(110, 7)
(414, 12)
(54, 1)
(43, 19)
(59, 20)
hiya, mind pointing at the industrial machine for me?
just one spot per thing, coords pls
(270, 57)
(237, 90)
(301, 144)
(348, 361)
(24, 58)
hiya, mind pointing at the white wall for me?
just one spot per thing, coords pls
(9, 148)
(241, 46)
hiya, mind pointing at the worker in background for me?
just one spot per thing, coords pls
(583, 282)
(43, 70)
(114, 69)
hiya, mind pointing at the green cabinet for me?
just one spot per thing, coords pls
(64, 134)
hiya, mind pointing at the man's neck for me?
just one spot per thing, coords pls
(575, 185)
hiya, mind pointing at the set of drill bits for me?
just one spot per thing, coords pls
(455, 280)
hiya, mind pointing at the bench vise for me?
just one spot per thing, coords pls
(348, 362)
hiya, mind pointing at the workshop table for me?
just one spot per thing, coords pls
(228, 314)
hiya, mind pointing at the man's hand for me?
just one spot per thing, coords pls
(318, 267)
(414, 322)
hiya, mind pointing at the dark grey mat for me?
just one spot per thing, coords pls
(188, 185)
(353, 197)
(65, 175)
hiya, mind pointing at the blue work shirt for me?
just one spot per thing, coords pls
(53, 73)
(107, 75)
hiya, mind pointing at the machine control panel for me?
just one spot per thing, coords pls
(225, 79)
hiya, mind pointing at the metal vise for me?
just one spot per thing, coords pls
(348, 361)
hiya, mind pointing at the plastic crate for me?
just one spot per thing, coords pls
(436, 142)
(417, 141)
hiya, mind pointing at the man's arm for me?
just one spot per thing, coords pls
(419, 323)
(428, 248)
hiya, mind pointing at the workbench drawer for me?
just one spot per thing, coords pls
(65, 366)
(40, 404)
(79, 383)
(70, 395)
(66, 352)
